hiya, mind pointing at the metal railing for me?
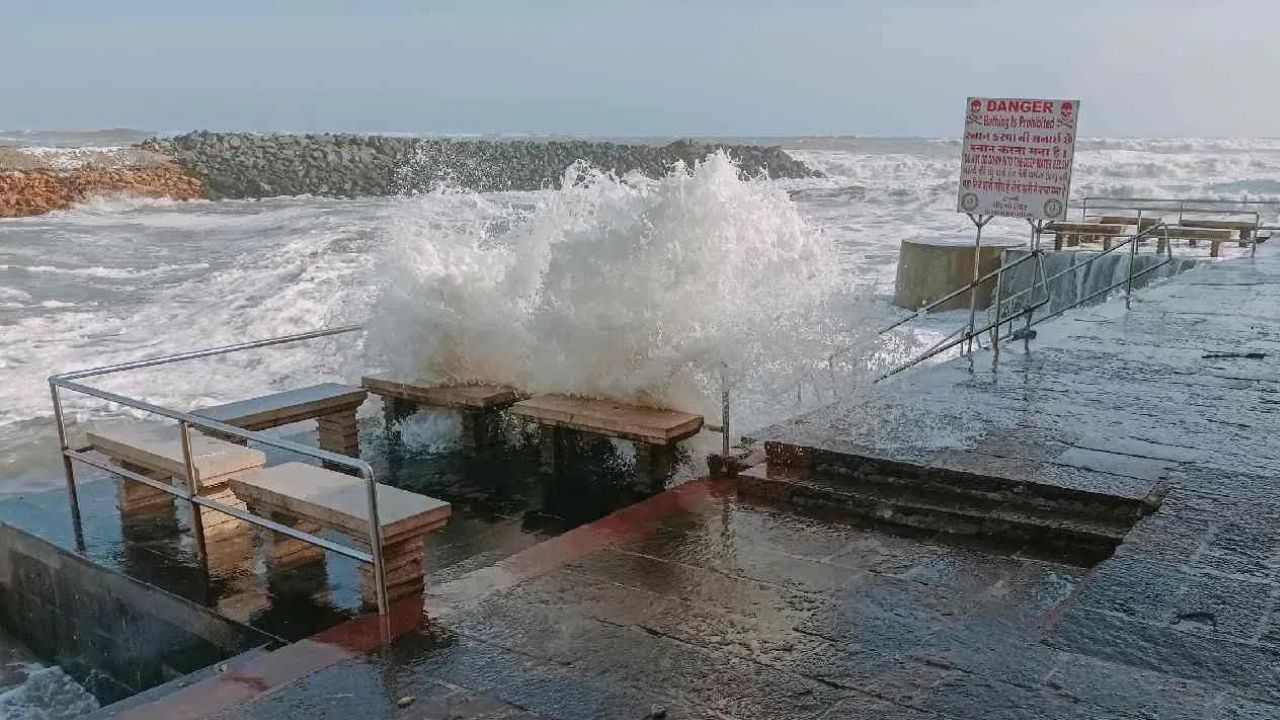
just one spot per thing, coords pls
(963, 335)
(1185, 206)
(69, 381)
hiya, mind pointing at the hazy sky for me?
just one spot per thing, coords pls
(646, 67)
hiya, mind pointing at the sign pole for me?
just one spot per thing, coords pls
(979, 221)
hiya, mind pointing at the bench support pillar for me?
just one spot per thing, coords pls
(284, 552)
(479, 429)
(339, 434)
(654, 463)
(394, 411)
(550, 445)
(144, 510)
(404, 564)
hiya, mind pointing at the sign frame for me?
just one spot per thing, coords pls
(1017, 157)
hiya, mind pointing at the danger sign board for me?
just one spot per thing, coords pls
(1017, 157)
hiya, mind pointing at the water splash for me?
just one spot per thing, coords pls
(623, 287)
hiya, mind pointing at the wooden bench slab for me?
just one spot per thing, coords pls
(1085, 228)
(654, 426)
(340, 502)
(465, 397)
(287, 407)
(1183, 232)
(160, 449)
(1219, 224)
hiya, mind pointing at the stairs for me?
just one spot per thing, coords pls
(1069, 525)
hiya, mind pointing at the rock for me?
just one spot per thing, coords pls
(254, 166)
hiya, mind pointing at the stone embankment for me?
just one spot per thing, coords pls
(239, 165)
(32, 184)
(236, 165)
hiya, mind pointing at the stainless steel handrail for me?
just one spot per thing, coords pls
(1028, 312)
(67, 381)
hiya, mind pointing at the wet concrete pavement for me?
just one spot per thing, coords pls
(715, 607)
(702, 603)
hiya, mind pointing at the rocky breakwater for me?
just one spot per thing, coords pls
(236, 165)
(34, 183)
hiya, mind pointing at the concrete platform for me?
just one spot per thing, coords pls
(698, 604)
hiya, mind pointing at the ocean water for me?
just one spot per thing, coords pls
(632, 287)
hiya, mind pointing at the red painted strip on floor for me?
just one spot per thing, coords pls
(263, 674)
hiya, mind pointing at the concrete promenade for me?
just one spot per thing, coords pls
(702, 603)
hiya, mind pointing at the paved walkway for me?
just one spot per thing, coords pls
(700, 604)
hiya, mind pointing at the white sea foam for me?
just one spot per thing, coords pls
(47, 693)
(628, 288)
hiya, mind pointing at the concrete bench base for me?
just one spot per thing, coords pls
(655, 431)
(312, 499)
(332, 405)
(479, 405)
(157, 454)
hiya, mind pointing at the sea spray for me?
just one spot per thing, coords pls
(624, 287)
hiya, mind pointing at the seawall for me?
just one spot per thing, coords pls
(240, 165)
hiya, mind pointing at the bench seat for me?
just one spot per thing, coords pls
(333, 405)
(284, 408)
(159, 449)
(312, 499)
(340, 502)
(464, 397)
(652, 426)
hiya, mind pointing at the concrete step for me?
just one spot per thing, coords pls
(953, 513)
(1107, 514)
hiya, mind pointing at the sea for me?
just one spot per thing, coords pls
(655, 289)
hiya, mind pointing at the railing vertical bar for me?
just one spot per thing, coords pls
(68, 468)
(193, 489)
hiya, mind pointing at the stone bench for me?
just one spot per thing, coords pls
(1244, 228)
(1193, 235)
(478, 404)
(332, 405)
(655, 431)
(156, 452)
(312, 499)
(1072, 234)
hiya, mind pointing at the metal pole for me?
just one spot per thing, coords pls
(978, 221)
(1133, 258)
(68, 468)
(193, 488)
(724, 412)
(375, 543)
(995, 330)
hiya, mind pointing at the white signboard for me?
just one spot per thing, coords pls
(1017, 157)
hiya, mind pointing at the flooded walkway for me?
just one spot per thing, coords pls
(704, 602)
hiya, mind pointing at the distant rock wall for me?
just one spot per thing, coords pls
(34, 192)
(236, 165)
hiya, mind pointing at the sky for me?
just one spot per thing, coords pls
(640, 68)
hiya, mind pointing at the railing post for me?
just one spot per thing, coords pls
(68, 468)
(995, 329)
(979, 221)
(193, 489)
(1133, 257)
(724, 412)
(375, 541)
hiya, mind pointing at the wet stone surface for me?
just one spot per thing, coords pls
(703, 603)
(729, 608)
